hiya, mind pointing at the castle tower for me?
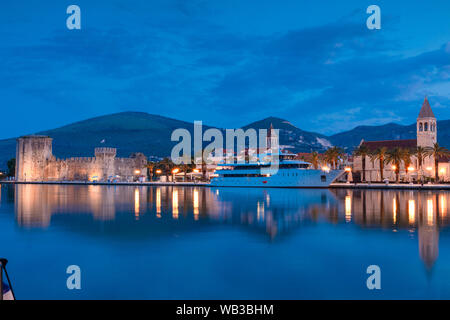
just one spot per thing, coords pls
(32, 155)
(105, 159)
(426, 126)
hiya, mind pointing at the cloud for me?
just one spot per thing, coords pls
(323, 78)
(346, 67)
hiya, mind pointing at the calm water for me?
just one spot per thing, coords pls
(202, 243)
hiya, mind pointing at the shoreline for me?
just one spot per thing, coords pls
(390, 186)
(83, 183)
(336, 185)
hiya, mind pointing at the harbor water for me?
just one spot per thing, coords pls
(171, 242)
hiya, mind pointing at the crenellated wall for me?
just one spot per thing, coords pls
(35, 162)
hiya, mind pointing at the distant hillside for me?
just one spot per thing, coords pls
(142, 132)
(292, 137)
(391, 131)
(351, 139)
(127, 131)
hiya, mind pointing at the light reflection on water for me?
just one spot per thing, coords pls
(277, 215)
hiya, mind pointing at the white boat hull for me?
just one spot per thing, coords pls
(285, 178)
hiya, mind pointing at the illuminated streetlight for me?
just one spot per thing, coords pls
(348, 169)
(158, 171)
(175, 171)
(411, 169)
(137, 171)
(394, 167)
(196, 170)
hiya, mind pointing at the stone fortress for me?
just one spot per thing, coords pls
(35, 162)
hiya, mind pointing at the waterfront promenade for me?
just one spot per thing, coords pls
(390, 186)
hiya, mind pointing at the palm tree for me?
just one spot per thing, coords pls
(315, 159)
(327, 156)
(395, 156)
(150, 166)
(166, 166)
(187, 165)
(332, 155)
(380, 155)
(406, 157)
(339, 154)
(437, 152)
(421, 153)
(362, 151)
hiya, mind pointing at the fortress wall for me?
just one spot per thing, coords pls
(131, 167)
(35, 162)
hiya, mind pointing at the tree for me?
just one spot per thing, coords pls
(332, 155)
(380, 155)
(406, 157)
(437, 152)
(315, 159)
(362, 151)
(187, 165)
(421, 153)
(339, 155)
(150, 166)
(166, 166)
(327, 156)
(395, 156)
(203, 156)
(11, 167)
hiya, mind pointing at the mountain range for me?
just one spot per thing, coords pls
(142, 132)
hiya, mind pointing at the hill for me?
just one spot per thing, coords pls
(293, 138)
(127, 131)
(391, 131)
(142, 132)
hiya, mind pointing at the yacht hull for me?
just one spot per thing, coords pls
(285, 178)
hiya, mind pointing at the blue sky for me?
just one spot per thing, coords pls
(227, 63)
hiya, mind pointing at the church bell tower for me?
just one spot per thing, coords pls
(426, 126)
(272, 138)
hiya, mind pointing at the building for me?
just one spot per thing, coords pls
(261, 153)
(426, 137)
(35, 162)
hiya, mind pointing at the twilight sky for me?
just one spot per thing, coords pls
(227, 63)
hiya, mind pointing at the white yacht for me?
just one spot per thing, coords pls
(290, 174)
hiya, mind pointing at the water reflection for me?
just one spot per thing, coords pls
(273, 212)
(136, 203)
(421, 212)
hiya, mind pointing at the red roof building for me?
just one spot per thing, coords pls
(390, 144)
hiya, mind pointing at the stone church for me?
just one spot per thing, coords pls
(35, 162)
(426, 136)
